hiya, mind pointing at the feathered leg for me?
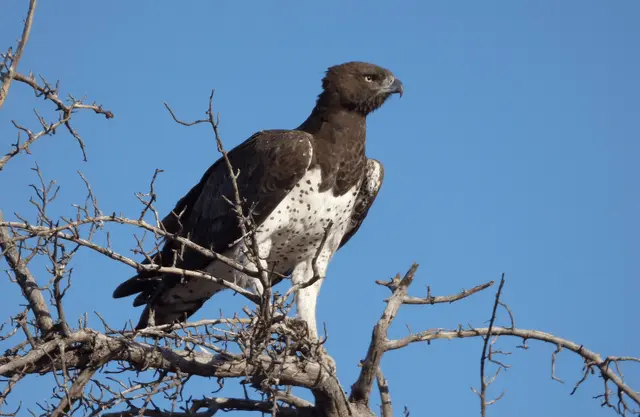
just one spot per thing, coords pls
(307, 298)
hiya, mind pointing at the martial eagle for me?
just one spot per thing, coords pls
(295, 182)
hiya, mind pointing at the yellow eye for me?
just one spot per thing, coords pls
(368, 78)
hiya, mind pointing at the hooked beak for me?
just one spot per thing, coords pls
(394, 87)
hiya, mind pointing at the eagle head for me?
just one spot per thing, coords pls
(360, 86)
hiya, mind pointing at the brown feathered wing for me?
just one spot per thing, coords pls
(270, 163)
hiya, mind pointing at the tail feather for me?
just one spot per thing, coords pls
(167, 314)
(133, 285)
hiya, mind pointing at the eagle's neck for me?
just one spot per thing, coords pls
(339, 144)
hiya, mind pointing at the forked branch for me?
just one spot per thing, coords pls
(361, 389)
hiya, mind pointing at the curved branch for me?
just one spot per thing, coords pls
(592, 358)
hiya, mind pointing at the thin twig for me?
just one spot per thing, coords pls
(483, 381)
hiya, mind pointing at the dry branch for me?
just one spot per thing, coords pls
(362, 387)
(430, 299)
(484, 383)
(591, 358)
(25, 279)
(14, 60)
(64, 118)
(386, 410)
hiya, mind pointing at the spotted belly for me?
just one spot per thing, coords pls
(303, 221)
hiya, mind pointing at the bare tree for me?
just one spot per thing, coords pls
(126, 372)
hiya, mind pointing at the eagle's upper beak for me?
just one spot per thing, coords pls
(395, 86)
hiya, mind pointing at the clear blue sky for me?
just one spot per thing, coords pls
(514, 149)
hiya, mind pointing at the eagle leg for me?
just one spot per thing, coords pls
(306, 298)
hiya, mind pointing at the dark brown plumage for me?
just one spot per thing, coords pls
(273, 164)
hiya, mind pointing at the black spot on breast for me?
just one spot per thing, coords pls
(309, 182)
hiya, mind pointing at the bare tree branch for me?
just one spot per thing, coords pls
(228, 404)
(14, 60)
(64, 118)
(362, 387)
(25, 279)
(484, 383)
(591, 358)
(35, 231)
(386, 410)
(430, 299)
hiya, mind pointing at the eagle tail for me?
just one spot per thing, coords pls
(166, 304)
(167, 314)
(133, 285)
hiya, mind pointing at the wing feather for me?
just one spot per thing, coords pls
(270, 163)
(371, 184)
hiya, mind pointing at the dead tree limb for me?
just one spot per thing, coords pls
(362, 387)
(11, 61)
(25, 279)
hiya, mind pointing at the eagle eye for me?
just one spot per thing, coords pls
(368, 78)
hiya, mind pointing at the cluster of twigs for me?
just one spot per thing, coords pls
(99, 371)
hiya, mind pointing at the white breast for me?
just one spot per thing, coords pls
(295, 229)
(288, 238)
